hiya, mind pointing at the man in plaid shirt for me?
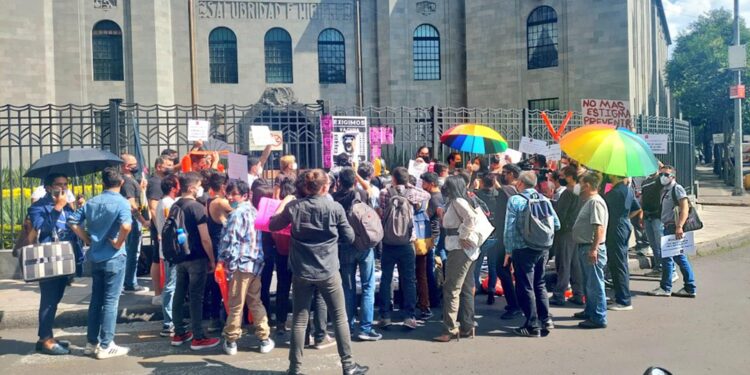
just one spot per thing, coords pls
(242, 257)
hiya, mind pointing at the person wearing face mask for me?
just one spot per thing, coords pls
(288, 170)
(255, 166)
(195, 268)
(507, 181)
(566, 262)
(162, 167)
(590, 233)
(558, 183)
(170, 187)
(442, 171)
(674, 198)
(131, 190)
(424, 154)
(219, 208)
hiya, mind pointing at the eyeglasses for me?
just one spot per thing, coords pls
(665, 174)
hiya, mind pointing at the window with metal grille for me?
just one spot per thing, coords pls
(278, 50)
(549, 104)
(331, 57)
(222, 55)
(426, 53)
(541, 38)
(106, 48)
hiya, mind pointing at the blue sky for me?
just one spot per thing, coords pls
(680, 13)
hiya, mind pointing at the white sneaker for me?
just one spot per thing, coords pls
(112, 351)
(230, 347)
(675, 276)
(659, 292)
(267, 345)
(410, 323)
(156, 300)
(90, 349)
(619, 307)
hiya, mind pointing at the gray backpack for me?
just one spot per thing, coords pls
(537, 222)
(398, 219)
(368, 230)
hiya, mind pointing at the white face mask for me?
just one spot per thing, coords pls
(665, 180)
(199, 192)
(577, 189)
(294, 166)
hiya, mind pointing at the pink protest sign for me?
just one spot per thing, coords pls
(375, 138)
(266, 208)
(375, 151)
(326, 130)
(387, 136)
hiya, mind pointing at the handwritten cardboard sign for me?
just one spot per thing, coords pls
(277, 145)
(237, 166)
(198, 130)
(532, 146)
(608, 112)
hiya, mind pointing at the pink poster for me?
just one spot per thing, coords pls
(266, 208)
(387, 136)
(376, 151)
(326, 130)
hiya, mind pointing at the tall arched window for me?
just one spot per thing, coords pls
(426, 49)
(541, 38)
(222, 55)
(278, 50)
(106, 47)
(331, 57)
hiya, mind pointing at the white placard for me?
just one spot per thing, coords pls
(198, 130)
(416, 169)
(348, 131)
(514, 155)
(532, 146)
(277, 145)
(659, 143)
(261, 135)
(553, 152)
(670, 246)
(237, 166)
(718, 138)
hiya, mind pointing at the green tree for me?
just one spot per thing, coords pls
(698, 77)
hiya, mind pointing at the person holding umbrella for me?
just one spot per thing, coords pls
(48, 216)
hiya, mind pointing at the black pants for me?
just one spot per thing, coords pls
(51, 292)
(191, 277)
(266, 275)
(283, 285)
(530, 285)
(617, 262)
(506, 280)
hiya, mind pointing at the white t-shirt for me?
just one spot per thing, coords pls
(40, 192)
(250, 179)
(162, 211)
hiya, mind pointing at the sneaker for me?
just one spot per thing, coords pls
(267, 345)
(654, 273)
(659, 292)
(177, 340)
(646, 252)
(167, 331)
(619, 307)
(410, 323)
(113, 350)
(576, 300)
(230, 347)
(369, 335)
(684, 293)
(581, 315)
(425, 314)
(156, 300)
(511, 314)
(548, 324)
(385, 322)
(557, 301)
(136, 289)
(90, 349)
(675, 277)
(527, 332)
(207, 343)
(356, 369)
(327, 342)
(587, 324)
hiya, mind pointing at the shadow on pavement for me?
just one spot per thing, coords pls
(205, 366)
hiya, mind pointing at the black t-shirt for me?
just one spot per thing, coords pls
(153, 191)
(131, 189)
(436, 201)
(195, 215)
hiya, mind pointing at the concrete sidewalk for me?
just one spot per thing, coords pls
(725, 228)
(712, 191)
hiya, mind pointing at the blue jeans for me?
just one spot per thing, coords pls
(106, 287)
(431, 280)
(366, 262)
(617, 255)
(133, 249)
(682, 261)
(653, 230)
(51, 292)
(167, 295)
(593, 283)
(493, 263)
(528, 265)
(405, 258)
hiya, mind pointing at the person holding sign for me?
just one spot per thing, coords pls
(674, 213)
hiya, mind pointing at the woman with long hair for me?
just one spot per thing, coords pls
(459, 221)
(287, 170)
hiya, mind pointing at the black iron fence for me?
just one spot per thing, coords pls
(28, 132)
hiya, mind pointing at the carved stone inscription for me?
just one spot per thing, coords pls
(268, 10)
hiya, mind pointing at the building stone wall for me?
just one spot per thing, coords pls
(614, 49)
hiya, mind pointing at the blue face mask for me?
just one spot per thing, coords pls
(235, 204)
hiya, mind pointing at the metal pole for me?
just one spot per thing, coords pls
(360, 78)
(738, 188)
(193, 73)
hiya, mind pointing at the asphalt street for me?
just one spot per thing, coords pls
(707, 335)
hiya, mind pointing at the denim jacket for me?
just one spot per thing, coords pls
(51, 223)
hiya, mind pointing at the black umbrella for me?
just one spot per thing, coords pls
(74, 162)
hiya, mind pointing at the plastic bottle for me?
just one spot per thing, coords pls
(182, 239)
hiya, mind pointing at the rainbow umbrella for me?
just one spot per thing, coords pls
(615, 151)
(474, 138)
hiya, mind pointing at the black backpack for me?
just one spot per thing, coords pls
(174, 252)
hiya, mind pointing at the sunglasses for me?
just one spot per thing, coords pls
(665, 174)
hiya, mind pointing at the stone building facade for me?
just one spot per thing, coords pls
(478, 53)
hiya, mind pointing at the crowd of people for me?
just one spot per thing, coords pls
(322, 241)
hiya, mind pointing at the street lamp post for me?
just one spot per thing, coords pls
(738, 188)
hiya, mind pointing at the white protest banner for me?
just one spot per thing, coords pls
(670, 246)
(532, 146)
(237, 166)
(605, 111)
(348, 131)
(554, 152)
(261, 135)
(718, 138)
(514, 155)
(277, 145)
(659, 143)
(198, 130)
(416, 169)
